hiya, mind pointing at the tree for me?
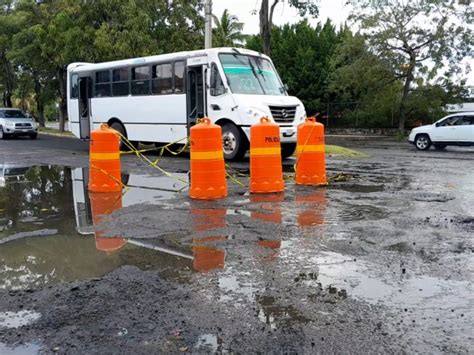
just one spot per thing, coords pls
(266, 17)
(228, 30)
(35, 73)
(8, 27)
(417, 37)
(302, 55)
(364, 81)
(56, 33)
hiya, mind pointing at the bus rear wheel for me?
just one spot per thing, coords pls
(124, 146)
(234, 142)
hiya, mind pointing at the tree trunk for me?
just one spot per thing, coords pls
(39, 102)
(62, 98)
(266, 21)
(8, 99)
(406, 90)
(265, 27)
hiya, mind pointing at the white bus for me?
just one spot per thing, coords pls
(158, 98)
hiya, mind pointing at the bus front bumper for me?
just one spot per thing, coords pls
(287, 133)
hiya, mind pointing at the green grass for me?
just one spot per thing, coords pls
(345, 152)
(55, 132)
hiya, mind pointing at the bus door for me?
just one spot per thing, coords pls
(196, 102)
(85, 94)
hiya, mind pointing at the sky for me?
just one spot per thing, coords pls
(333, 9)
(336, 10)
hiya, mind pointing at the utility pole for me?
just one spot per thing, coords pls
(208, 26)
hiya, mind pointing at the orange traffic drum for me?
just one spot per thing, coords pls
(266, 172)
(208, 179)
(310, 153)
(104, 159)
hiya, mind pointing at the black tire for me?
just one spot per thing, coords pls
(121, 129)
(33, 135)
(422, 142)
(234, 142)
(287, 150)
(440, 146)
(2, 134)
(125, 178)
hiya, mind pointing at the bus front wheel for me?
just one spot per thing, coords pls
(124, 146)
(234, 142)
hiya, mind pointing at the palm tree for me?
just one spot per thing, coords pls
(227, 31)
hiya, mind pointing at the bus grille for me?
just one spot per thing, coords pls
(283, 114)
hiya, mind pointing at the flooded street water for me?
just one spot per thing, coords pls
(381, 253)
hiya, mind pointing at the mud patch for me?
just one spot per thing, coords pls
(431, 197)
(362, 212)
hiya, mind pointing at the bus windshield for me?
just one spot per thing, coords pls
(251, 75)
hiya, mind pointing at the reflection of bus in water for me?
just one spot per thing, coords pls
(157, 98)
(143, 189)
(91, 208)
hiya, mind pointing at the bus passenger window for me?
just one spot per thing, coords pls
(120, 82)
(217, 86)
(74, 86)
(102, 83)
(178, 77)
(141, 80)
(162, 79)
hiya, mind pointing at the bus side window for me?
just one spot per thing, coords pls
(141, 80)
(102, 83)
(217, 85)
(120, 82)
(74, 86)
(178, 77)
(162, 79)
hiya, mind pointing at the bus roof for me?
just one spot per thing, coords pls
(83, 67)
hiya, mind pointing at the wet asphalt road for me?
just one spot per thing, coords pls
(380, 261)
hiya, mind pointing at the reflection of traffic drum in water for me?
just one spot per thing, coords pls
(206, 257)
(102, 204)
(269, 209)
(206, 219)
(311, 208)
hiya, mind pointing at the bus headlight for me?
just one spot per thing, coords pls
(255, 113)
(303, 116)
